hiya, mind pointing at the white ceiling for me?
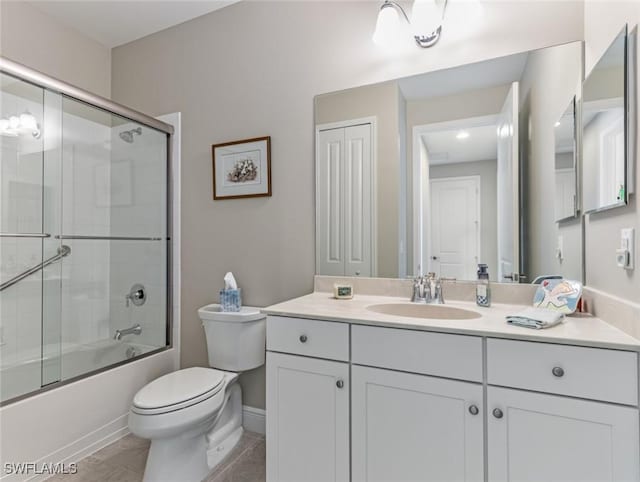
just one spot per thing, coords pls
(489, 73)
(444, 148)
(115, 22)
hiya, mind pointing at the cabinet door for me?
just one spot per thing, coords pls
(307, 419)
(408, 427)
(537, 437)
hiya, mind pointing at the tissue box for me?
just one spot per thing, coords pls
(230, 300)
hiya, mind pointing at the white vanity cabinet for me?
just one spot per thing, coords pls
(350, 401)
(408, 427)
(307, 401)
(540, 437)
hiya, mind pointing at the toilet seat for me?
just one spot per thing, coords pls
(178, 390)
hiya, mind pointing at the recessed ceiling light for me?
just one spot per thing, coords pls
(462, 135)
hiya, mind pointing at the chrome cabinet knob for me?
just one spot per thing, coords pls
(497, 413)
(557, 372)
(303, 338)
(473, 410)
(340, 384)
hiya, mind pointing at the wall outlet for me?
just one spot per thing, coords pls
(625, 256)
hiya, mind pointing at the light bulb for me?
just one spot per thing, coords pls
(426, 17)
(14, 122)
(28, 122)
(557, 124)
(391, 28)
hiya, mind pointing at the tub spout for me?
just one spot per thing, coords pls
(134, 330)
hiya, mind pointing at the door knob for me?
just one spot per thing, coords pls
(473, 410)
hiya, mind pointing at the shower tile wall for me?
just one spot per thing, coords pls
(138, 180)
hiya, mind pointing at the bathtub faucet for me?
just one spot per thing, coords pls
(134, 330)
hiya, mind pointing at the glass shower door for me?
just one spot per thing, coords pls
(29, 319)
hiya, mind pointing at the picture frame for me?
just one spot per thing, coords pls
(242, 169)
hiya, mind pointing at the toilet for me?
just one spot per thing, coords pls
(193, 416)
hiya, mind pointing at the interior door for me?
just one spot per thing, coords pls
(508, 189)
(455, 227)
(330, 203)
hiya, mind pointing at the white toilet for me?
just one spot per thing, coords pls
(193, 416)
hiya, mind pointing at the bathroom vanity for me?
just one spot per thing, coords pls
(358, 394)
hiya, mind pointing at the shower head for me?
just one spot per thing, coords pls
(127, 136)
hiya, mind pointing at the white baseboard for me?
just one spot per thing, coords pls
(86, 445)
(253, 419)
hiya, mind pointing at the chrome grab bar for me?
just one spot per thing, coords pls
(63, 251)
(24, 235)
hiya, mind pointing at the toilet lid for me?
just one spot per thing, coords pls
(179, 387)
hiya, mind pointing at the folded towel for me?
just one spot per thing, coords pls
(536, 318)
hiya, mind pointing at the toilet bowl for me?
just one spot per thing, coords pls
(193, 416)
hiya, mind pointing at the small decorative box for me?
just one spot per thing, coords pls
(230, 300)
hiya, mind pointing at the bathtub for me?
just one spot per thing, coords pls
(28, 373)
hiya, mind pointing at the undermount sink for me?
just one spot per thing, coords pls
(432, 312)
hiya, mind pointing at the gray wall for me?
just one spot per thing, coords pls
(379, 101)
(253, 69)
(550, 80)
(602, 23)
(35, 39)
(487, 170)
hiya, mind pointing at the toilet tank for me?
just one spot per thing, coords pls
(235, 340)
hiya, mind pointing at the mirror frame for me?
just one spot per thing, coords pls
(576, 163)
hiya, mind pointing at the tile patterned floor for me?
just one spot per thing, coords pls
(124, 460)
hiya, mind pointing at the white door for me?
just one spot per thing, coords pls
(408, 427)
(344, 228)
(307, 419)
(357, 201)
(330, 203)
(508, 189)
(558, 439)
(455, 227)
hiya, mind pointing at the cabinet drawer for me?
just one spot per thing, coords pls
(300, 336)
(592, 373)
(439, 354)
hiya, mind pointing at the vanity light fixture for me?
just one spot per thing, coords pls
(462, 135)
(426, 23)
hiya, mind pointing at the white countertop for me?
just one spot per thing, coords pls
(579, 329)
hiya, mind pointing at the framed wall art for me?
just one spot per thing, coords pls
(242, 168)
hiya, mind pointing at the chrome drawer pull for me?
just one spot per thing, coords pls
(497, 413)
(340, 384)
(473, 410)
(303, 338)
(558, 372)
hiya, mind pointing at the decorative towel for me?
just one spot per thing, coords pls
(536, 318)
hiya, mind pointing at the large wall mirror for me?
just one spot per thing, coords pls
(445, 170)
(604, 130)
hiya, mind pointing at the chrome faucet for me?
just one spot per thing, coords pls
(134, 330)
(427, 289)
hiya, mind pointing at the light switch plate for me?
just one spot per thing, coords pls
(628, 244)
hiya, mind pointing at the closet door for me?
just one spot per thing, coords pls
(357, 201)
(330, 252)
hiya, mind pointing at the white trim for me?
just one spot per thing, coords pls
(254, 419)
(373, 122)
(86, 445)
(175, 119)
(420, 191)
